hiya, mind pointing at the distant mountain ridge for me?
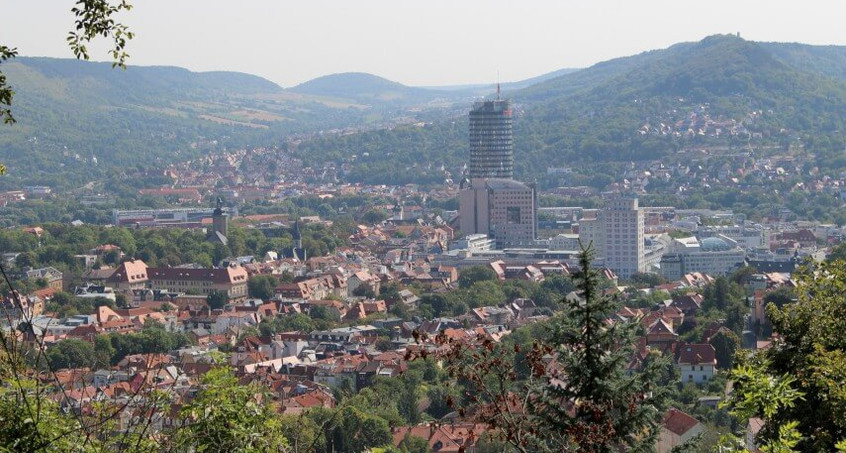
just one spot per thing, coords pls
(72, 114)
(364, 87)
(646, 106)
(360, 86)
(79, 120)
(166, 78)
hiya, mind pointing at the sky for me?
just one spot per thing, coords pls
(418, 43)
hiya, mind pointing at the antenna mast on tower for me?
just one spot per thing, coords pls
(497, 87)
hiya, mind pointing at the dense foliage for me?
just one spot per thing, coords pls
(568, 390)
(158, 247)
(809, 356)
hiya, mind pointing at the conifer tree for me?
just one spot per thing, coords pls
(587, 397)
(577, 394)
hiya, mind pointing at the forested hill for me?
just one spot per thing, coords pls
(365, 88)
(721, 92)
(79, 121)
(142, 82)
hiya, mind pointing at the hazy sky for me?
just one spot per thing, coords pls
(433, 42)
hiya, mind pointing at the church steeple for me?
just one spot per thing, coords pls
(297, 251)
(296, 235)
(220, 223)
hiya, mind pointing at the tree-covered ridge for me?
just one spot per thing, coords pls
(722, 92)
(365, 88)
(80, 120)
(827, 60)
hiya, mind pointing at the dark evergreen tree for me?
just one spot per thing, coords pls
(578, 395)
(586, 401)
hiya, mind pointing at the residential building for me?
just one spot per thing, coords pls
(697, 363)
(52, 275)
(676, 428)
(129, 276)
(231, 279)
(624, 249)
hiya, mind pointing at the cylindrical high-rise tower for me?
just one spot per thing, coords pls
(491, 145)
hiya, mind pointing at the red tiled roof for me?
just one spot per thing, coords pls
(678, 422)
(698, 353)
(228, 275)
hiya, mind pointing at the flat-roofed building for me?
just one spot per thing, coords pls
(504, 209)
(624, 248)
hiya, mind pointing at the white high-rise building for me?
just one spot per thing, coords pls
(623, 247)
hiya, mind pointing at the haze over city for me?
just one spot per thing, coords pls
(321, 227)
(429, 43)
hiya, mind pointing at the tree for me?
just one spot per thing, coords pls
(71, 353)
(103, 351)
(33, 422)
(297, 321)
(414, 444)
(364, 290)
(228, 417)
(837, 253)
(321, 312)
(645, 280)
(438, 303)
(780, 296)
(725, 344)
(383, 344)
(736, 312)
(743, 274)
(800, 383)
(120, 300)
(721, 293)
(409, 398)
(262, 286)
(217, 299)
(577, 395)
(349, 428)
(374, 216)
(439, 400)
(758, 394)
(469, 276)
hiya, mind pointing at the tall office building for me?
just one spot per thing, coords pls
(490, 201)
(623, 246)
(491, 144)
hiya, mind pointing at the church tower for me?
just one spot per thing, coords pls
(220, 224)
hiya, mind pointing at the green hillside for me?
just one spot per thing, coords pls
(826, 60)
(366, 89)
(80, 121)
(722, 78)
(77, 121)
(720, 92)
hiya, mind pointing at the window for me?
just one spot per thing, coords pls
(512, 215)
